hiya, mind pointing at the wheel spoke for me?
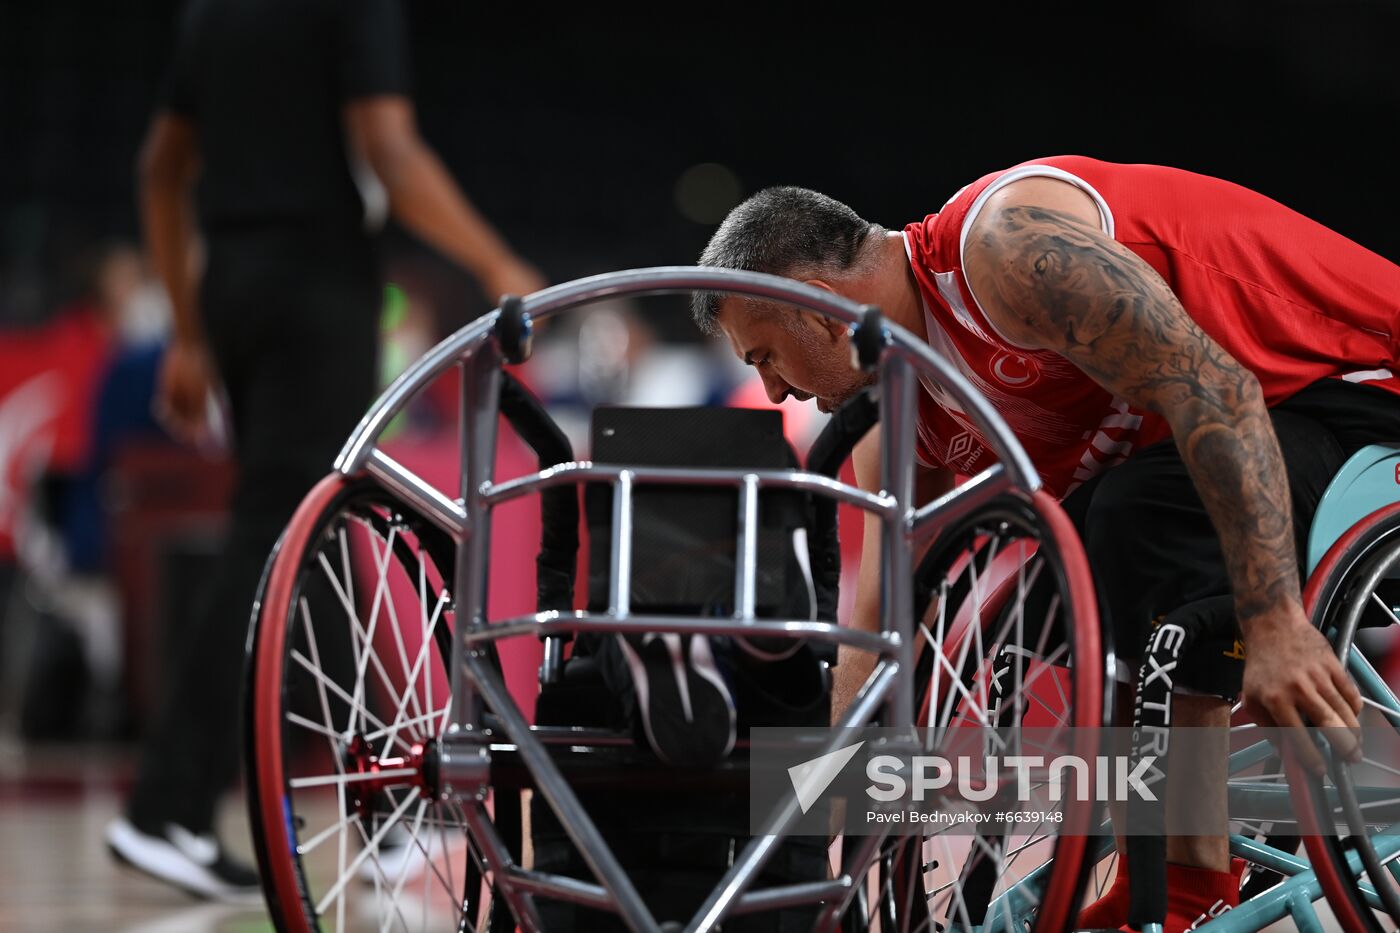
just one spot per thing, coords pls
(1383, 709)
(367, 655)
(409, 690)
(429, 632)
(404, 873)
(311, 646)
(371, 849)
(338, 691)
(367, 634)
(309, 846)
(400, 724)
(957, 898)
(1018, 709)
(372, 845)
(956, 686)
(1101, 878)
(936, 648)
(312, 726)
(427, 851)
(1387, 609)
(977, 619)
(323, 780)
(340, 902)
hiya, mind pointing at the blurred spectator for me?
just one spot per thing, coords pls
(269, 103)
(51, 378)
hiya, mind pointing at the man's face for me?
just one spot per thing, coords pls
(795, 353)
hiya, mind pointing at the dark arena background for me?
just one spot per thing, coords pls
(594, 139)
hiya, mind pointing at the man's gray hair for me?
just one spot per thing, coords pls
(782, 231)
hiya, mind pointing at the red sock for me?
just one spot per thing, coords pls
(1110, 911)
(1196, 895)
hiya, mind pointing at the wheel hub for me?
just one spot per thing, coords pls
(373, 773)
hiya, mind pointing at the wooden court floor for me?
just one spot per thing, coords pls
(55, 873)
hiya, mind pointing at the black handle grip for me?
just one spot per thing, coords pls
(557, 563)
(869, 339)
(828, 452)
(514, 330)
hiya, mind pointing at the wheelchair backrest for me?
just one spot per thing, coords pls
(685, 537)
(1368, 480)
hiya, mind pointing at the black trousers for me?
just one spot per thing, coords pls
(1154, 551)
(291, 318)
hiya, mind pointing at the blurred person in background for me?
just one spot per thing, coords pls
(60, 630)
(268, 103)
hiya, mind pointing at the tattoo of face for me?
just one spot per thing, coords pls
(1048, 280)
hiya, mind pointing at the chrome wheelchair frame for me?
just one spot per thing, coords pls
(486, 724)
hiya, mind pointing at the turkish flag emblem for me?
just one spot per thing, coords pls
(1014, 370)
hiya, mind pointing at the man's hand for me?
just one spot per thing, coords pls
(1291, 675)
(182, 391)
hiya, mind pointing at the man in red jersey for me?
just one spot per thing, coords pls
(1174, 352)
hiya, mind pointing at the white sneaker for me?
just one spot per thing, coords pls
(686, 708)
(195, 864)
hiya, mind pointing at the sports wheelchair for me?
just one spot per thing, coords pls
(378, 717)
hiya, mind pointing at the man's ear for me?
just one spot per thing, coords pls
(834, 328)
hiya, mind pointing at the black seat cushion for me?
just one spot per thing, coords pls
(579, 698)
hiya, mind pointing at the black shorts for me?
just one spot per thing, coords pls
(1154, 553)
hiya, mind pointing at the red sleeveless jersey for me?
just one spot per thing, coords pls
(1288, 298)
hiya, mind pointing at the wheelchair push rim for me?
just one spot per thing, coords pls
(1345, 585)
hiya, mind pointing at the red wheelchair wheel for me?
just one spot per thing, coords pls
(348, 691)
(1348, 583)
(1014, 639)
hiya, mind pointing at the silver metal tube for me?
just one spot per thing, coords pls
(746, 560)
(667, 279)
(557, 623)
(402, 390)
(481, 389)
(856, 867)
(497, 859)
(620, 580)
(561, 799)
(745, 869)
(897, 434)
(576, 735)
(587, 737)
(580, 471)
(552, 664)
(791, 895)
(960, 502)
(660, 280)
(436, 507)
(560, 888)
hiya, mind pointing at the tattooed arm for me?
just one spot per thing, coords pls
(1048, 278)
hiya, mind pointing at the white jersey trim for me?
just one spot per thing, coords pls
(1368, 375)
(1016, 174)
